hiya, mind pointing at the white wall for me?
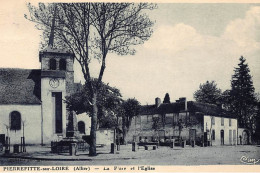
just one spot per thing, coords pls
(31, 114)
(87, 120)
(105, 136)
(48, 110)
(218, 127)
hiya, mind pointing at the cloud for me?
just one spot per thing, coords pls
(245, 32)
(178, 58)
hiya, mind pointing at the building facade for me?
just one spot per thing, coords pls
(186, 120)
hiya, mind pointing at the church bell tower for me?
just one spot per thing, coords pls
(57, 82)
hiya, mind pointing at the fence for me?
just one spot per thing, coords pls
(64, 146)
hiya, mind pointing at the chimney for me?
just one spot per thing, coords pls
(184, 100)
(221, 106)
(157, 101)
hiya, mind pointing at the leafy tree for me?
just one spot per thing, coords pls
(93, 30)
(109, 98)
(108, 121)
(130, 108)
(257, 123)
(208, 93)
(242, 96)
(166, 98)
(226, 100)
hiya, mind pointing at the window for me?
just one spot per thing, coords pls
(15, 121)
(230, 122)
(81, 127)
(213, 120)
(222, 121)
(52, 64)
(213, 135)
(234, 137)
(62, 64)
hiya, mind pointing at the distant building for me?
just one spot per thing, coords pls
(209, 122)
(32, 100)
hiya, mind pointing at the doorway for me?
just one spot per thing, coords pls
(230, 137)
(2, 139)
(222, 137)
(57, 104)
(245, 137)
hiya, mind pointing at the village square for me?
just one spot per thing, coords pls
(50, 117)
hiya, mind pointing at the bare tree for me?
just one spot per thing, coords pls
(92, 30)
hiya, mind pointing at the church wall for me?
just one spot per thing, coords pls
(45, 65)
(49, 133)
(87, 120)
(31, 115)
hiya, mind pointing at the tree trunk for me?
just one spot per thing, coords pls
(124, 129)
(92, 148)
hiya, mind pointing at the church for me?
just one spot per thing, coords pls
(32, 100)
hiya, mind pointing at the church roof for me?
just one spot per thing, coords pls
(50, 49)
(209, 109)
(195, 107)
(20, 86)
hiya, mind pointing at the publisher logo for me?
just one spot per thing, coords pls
(249, 161)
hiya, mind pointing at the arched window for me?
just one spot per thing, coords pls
(52, 64)
(62, 64)
(15, 121)
(81, 127)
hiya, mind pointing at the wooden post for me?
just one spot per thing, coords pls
(113, 148)
(133, 146)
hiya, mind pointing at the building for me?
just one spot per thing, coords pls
(198, 121)
(32, 100)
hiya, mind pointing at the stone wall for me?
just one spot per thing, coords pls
(142, 125)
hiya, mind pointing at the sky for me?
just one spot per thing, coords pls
(191, 43)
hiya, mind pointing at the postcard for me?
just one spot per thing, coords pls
(126, 86)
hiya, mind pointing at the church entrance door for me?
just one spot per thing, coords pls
(57, 101)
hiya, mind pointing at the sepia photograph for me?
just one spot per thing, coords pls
(139, 84)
